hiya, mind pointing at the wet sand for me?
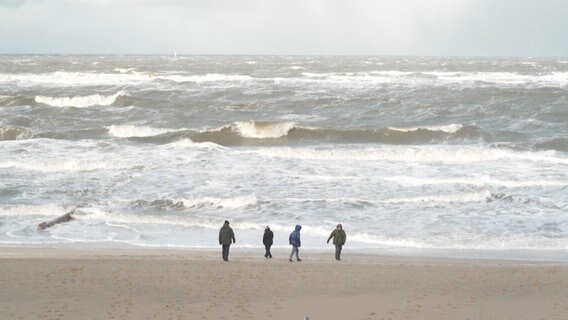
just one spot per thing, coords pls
(178, 284)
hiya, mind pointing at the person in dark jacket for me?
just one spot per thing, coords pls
(268, 240)
(295, 242)
(226, 236)
(339, 238)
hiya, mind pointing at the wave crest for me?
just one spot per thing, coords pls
(451, 128)
(126, 131)
(34, 210)
(263, 130)
(79, 101)
(234, 202)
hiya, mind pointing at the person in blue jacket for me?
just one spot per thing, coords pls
(296, 243)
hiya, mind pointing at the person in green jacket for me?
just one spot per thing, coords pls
(226, 237)
(339, 238)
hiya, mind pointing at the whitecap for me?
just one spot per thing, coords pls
(126, 131)
(451, 128)
(79, 101)
(260, 130)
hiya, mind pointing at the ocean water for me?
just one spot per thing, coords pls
(413, 155)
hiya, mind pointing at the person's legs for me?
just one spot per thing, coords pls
(226, 252)
(292, 253)
(268, 251)
(337, 252)
(296, 251)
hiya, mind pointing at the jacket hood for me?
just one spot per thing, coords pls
(298, 227)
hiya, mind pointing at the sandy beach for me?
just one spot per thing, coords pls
(177, 284)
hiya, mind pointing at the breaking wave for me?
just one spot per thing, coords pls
(278, 133)
(214, 202)
(210, 77)
(34, 210)
(452, 128)
(263, 130)
(79, 101)
(126, 131)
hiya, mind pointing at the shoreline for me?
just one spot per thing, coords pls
(521, 256)
(189, 284)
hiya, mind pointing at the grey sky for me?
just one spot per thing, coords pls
(353, 27)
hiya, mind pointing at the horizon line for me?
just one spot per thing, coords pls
(282, 55)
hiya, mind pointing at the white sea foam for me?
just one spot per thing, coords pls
(258, 130)
(34, 210)
(448, 154)
(63, 165)
(73, 79)
(465, 241)
(124, 70)
(154, 220)
(78, 79)
(186, 143)
(229, 202)
(475, 181)
(451, 128)
(79, 101)
(438, 78)
(434, 78)
(482, 195)
(452, 197)
(210, 77)
(126, 131)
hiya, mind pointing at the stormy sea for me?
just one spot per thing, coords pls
(436, 156)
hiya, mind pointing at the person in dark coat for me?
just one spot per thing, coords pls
(226, 236)
(268, 240)
(295, 242)
(339, 238)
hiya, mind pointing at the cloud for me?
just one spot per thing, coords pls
(12, 3)
(384, 27)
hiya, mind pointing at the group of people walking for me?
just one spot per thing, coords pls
(227, 237)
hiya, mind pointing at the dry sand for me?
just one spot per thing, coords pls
(167, 284)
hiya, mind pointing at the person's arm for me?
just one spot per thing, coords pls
(233, 236)
(331, 236)
(219, 236)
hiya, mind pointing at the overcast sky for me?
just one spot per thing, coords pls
(330, 27)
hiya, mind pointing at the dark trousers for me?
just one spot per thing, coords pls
(226, 252)
(338, 252)
(267, 254)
